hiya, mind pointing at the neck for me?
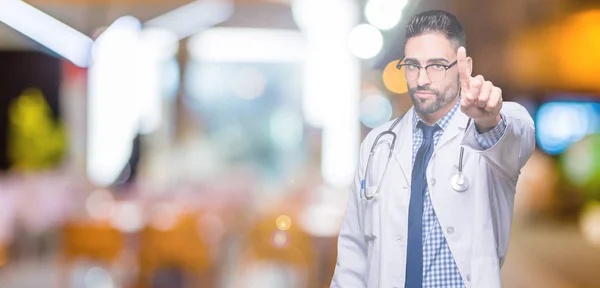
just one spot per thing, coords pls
(432, 118)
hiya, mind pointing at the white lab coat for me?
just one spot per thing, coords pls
(476, 223)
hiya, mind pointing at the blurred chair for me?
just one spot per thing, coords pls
(268, 246)
(95, 241)
(174, 253)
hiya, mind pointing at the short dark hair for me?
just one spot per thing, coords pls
(437, 21)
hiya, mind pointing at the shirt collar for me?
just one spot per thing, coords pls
(443, 122)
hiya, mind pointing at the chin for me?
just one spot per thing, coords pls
(427, 108)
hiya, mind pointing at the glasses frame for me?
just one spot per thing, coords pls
(400, 65)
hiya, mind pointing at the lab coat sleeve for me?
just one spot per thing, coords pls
(351, 266)
(490, 138)
(509, 154)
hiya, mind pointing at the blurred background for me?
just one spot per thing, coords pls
(211, 143)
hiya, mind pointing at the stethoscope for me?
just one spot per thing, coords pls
(459, 181)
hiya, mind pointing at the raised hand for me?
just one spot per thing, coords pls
(480, 99)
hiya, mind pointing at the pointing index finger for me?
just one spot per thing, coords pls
(463, 67)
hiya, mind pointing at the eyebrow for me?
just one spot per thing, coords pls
(433, 60)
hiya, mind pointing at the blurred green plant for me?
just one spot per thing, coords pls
(35, 140)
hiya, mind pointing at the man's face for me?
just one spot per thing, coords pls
(431, 48)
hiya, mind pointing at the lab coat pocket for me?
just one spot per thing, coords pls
(371, 216)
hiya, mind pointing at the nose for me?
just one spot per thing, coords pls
(423, 78)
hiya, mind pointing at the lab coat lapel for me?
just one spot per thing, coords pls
(404, 132)
(456, 126)
(403, 152)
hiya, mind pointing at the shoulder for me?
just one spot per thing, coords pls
(516, 111)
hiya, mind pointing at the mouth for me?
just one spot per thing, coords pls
(424, 94)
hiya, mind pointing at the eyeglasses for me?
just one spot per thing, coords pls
(435, 72)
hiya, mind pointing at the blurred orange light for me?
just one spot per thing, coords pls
(3, 258)
(557, 56)
(283, 222)
(578, 61)
(393, 79)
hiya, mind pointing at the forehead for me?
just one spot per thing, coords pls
(429, 46)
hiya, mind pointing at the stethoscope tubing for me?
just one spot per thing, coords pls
(364, 182)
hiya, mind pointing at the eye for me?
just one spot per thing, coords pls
(411, 67)
(437, 67)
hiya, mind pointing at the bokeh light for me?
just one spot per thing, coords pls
(280, 239)
(128, 217)
(577, 162)
(286, 128)
(249, 83)
(577, 54)
(164, 216)
(318, 14)
(375, 110)
(283, 222)
(98, 278)
(559, 124)
(100, 204)
(365, 41)
(384, 14)
(393, 78)
(590, 223)
(581, 165)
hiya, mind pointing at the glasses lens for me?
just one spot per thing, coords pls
(436, 74)
(411, 72)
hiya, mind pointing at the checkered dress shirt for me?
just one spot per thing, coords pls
(439, 267)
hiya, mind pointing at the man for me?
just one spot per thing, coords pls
(419, 231)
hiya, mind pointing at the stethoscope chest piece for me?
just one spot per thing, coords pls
(460, 183)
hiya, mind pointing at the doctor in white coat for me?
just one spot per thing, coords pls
(417, 230)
